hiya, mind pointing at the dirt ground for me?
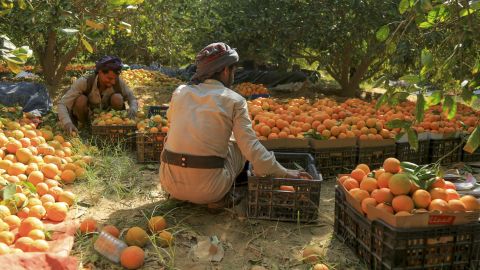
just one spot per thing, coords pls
(247, 242)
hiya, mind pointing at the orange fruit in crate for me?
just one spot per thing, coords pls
(369, 184)
(391, 165)
(368, 201)
(399, 184)
(287, 188)
(382, 195)
(364, 168)
(452, 195)
(456, 205)
(385, 207)
(36, 234)
(132, 257)
(421, 198)
(471, 203)
(358, 174)
(350, 184)
(359, 195)
(402, 203)
(438, 205)
(449, 185)
(439, 183)
(439, 193)
(403, 214)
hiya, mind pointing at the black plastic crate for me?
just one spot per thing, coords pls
(405, 153)
(374, 156)
(442, 147)
(382, 246)
(331, 162)
(157, 110)
(123, 135)
(149, 147)
(467, 157)
(267, 201)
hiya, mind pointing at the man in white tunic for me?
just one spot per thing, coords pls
(201, 158)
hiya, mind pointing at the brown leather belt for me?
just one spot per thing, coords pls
(190, 161)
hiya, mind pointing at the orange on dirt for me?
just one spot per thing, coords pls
(112, 230)
(132, 257)
(391, 165)
(88, 225)
(39, 245)
(320, 266)
(382, 195)
(369, 184)
(157, 224)
(7, 237)
(51, 183)
(363, 167)
(385, 207)
(35, 177)
(439, 183)
(383, 179)
(80, 172)
(37, 211)
(42, 189)
(165, 239)
(421, 198)
(13, 221)
(450, 185)
(350, 184)
(358, 174)
(368, 201)
(452, 195)
(34, 201)
(402, 203)
(456, 205)
(17, 168)
(28, 224)
(4, 211)
(471, 203)
(136, 236)
(438, 205)
(359, 195)
(57, 212)
(5, 164)
(67, 197)
(13, 146)
(55, 192)
(399, 184)
(311, 254)
(24, 243)
(24, 155)
(50, 170)
(439, 193)
(36, 234)
(4, 226)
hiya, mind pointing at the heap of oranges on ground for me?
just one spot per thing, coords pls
(247, 89)
(393, 191)
(35, 166)
(136, 238)
(353, 118)
(143, 77)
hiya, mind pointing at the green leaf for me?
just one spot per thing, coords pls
(426, 5)
(425, 25)
(382, 33)
(427, 58)
(432, 16)
(410, 78)
(69, 31)
(466, 11)
(412, 138)
(397, 123)
(87, 45)
(9, 191)
(380, 81)
(382, 100)
(450, 106)
(403, 6)
(116, 2)
(434, 99)
(420, 108)
(15, 68)
(21, 4)
(473, 141)
(30, 186)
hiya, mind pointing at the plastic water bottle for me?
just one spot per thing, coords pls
(109, 246)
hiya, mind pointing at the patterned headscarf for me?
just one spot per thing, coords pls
(212, 59)
(109, 63)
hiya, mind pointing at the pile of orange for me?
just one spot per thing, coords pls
(155, 124)
(353, 118)
(35, 165)
(112, 118)
(143, 77)
(393, 191)
(247, 89)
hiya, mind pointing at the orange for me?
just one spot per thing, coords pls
(132, 257)
(39, 245)
(403, 214)
(399, 184)
(42, 189)
(4, 211)
(449, 185)
(13, 221)
(368, 201)
(382, 195)
(439, 183)
(359, 195)
(402, 203)
(157, 224)
(24, 243)
(88, 225)
(369, 184)
(320, 266)
(358, 174)
(7, 237)
(363, 167)
(50, 170)
(13, 146)
(136, 236)
(452, 194)
(68, 176)
(67, 197)
(438, 205)
(23, 213)
(421, 198)
(4, 249)
(57, 212)
(23, 155)
(350, 183)
(378, 173)
(35, 177)
(456, 205)
(37, 211)
(385, 207)
(311, 254)
(471, 203)
(36, 234)
(112, 230)
(28, 224)
(17, 168)
(391, 165)
(34, 201)
(439, 193)
(165, 238)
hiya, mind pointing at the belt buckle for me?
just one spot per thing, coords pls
(183, 161)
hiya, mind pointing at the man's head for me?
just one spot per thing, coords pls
(216, 61)
(108, 68)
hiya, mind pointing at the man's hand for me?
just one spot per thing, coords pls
(70, 128)
(296, 174)
(132, 113)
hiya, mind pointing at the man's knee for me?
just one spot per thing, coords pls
(80, 106)
(117, 102)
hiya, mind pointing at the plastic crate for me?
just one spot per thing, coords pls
(115, 135)
(149, 147)
(467, 157)
(157, 110)
(381, 246)
(267, 201)
(440, 148)
(405, 153)
(332, 161)
(373, 153)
